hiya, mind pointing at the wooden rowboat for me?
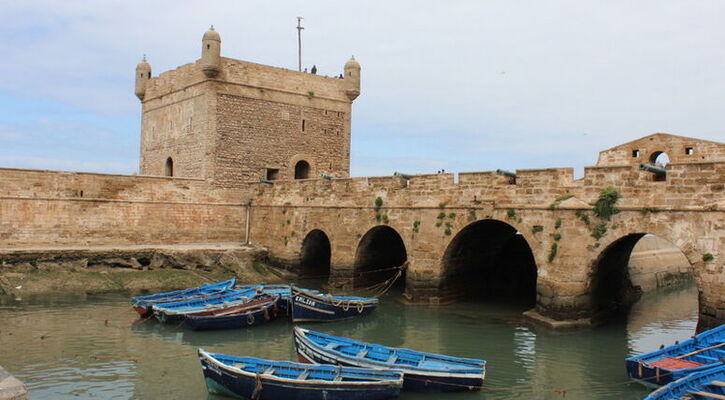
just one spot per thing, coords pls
(708, 384)
(314, 306)
(143, 304)
(658, 368)
(257, 311)
(176, 312)
(254, 378)
(422, 371)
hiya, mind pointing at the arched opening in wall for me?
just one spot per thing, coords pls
(302, 170)
(659, 159)
(380, 251)
(489, 259)
(169, 167)
(315, 255)
(637, 276)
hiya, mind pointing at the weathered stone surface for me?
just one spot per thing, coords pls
(11, 388)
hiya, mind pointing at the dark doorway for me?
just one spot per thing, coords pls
(315, 257)
(379, 251)
(302, 170)
(489, 259)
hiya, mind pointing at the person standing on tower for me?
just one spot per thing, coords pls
(314, 70)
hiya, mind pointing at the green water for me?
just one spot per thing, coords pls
(65, 347)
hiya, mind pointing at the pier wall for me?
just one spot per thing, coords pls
(548, 208)
(41, 209)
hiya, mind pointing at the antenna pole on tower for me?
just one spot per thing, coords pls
(299, 43)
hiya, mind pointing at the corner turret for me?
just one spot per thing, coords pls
(352, 79)
(143, 74)
(211, 45)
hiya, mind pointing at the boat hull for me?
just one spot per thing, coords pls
(705, 384)
(264, 387)
(312, 307)
(413, 380)
(694, 355)
(244, 319)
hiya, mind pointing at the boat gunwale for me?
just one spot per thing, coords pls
(328, 298)
(236, 370)
(478, 371)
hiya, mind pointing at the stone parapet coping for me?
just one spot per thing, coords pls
(11, 388)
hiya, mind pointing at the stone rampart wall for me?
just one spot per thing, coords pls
(50, 209)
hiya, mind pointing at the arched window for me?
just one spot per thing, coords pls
(302, 170)
(169, 169)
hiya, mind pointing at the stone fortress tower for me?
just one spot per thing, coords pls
(230, 121)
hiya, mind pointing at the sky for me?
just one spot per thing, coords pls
(454, 85)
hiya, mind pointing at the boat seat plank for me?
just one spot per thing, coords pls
(707, 395)
(268, 371)
(304, 375)
(362, 353)
(332, 345)
(718, 383)
(393, 358)
(337, 378)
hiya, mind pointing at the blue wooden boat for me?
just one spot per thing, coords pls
(143, 304)
(422, 371)
(256, 312)
(708, 384)
(661, 367)
(314, 306)
(254, 378)
(177, 311)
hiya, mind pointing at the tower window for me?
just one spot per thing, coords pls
(302, 170)
(635, 153)
(169, 168)
(689, 151)
(303, 125)
(208, 47)
(272, 174)
(149, 75)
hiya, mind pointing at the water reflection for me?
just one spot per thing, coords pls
(78, 346)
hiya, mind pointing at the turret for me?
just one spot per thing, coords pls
(211, 45)
(352, 78)
(143, 74)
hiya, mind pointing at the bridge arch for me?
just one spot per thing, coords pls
(490, 259)
(612, 290)
(315, 255)
(379, 249)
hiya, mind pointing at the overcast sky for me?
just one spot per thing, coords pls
(459, 85)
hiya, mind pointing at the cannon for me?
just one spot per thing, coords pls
(506, 173)
(402, 175)
(653, 169)
(327, 176)
(267, 181)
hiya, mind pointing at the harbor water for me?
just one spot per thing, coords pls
(71, 347)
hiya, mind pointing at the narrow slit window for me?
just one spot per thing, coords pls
(635, 153)
(689, 151)
(303, 125)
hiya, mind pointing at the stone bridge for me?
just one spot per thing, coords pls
(536, 237)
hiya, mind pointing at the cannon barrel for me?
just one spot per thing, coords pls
(402, 175)
(653, 169)
(267, 181)
(327, 176)
(506, 173)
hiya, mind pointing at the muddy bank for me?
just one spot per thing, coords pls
(132, 269)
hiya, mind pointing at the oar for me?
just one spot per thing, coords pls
(701, 350)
